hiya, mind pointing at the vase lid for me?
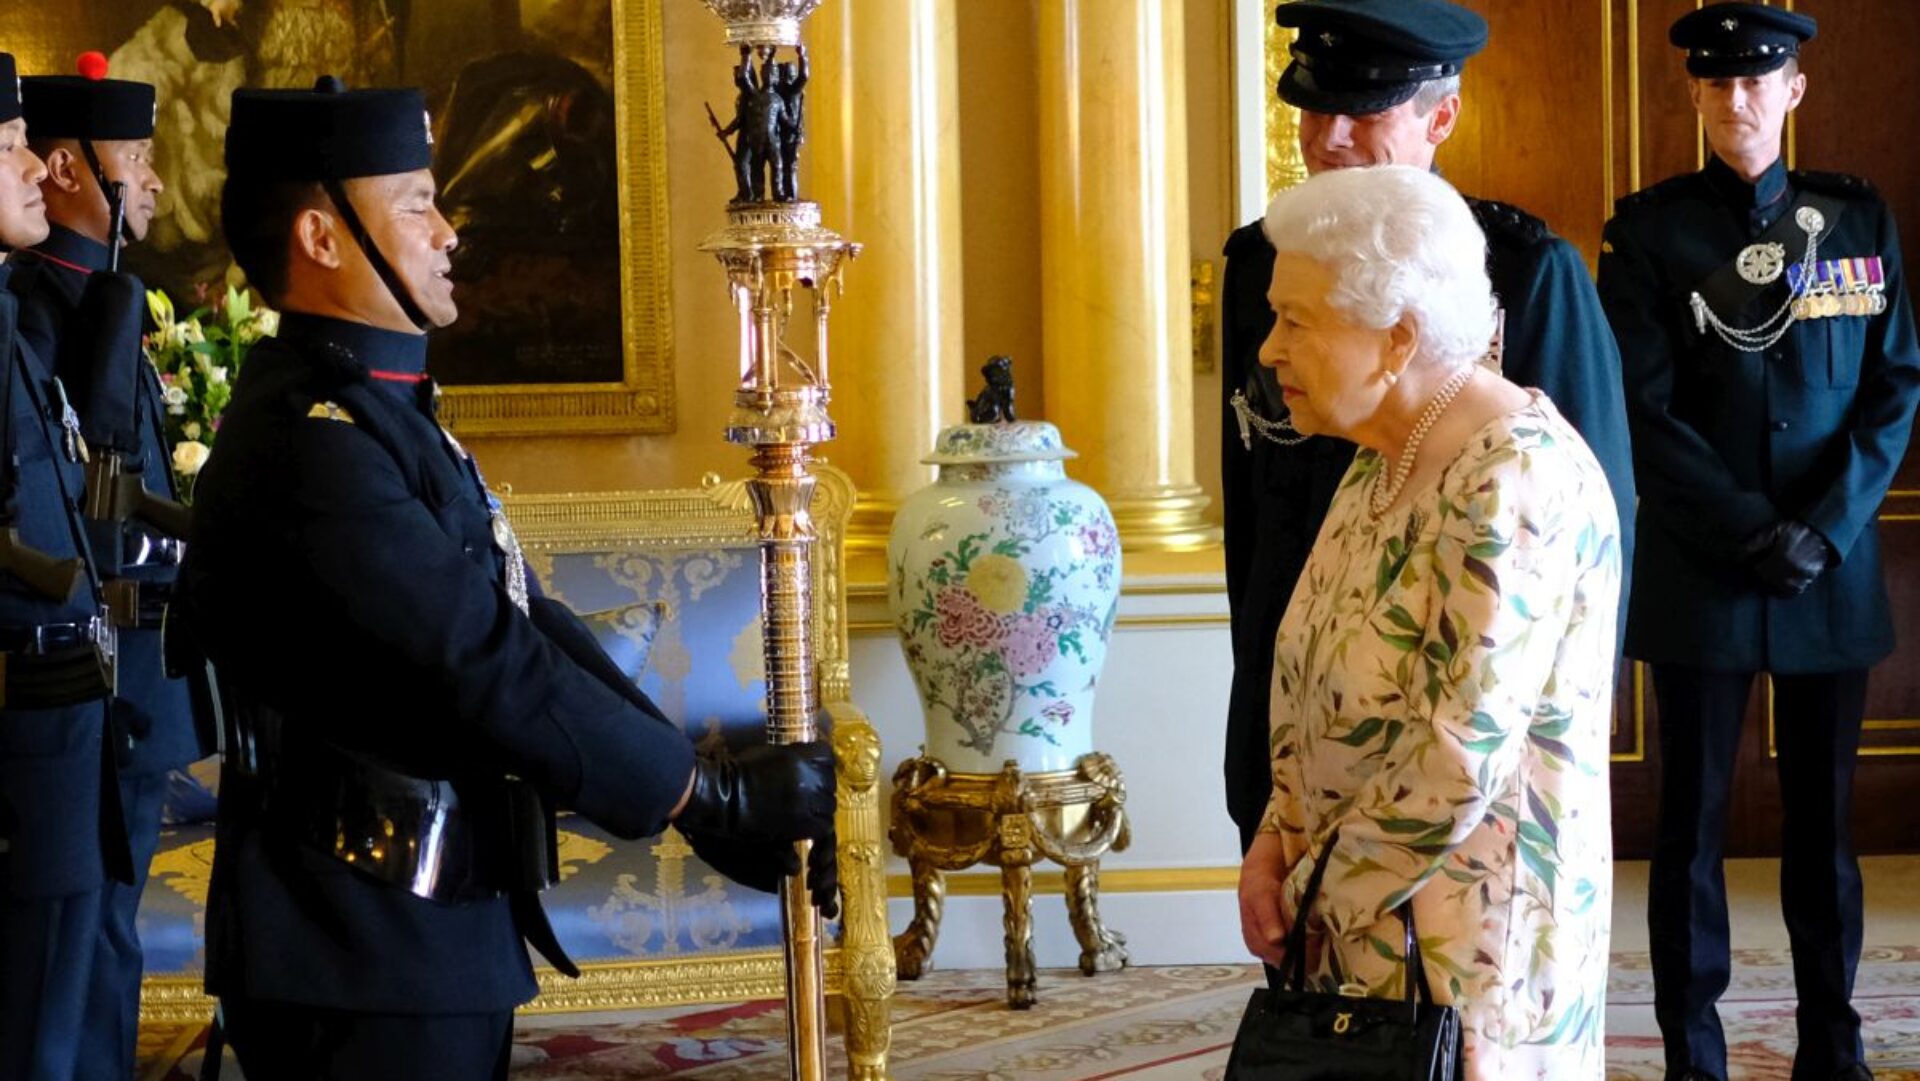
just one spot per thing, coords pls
(1013, 441)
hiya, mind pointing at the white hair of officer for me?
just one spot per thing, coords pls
(1397, 241)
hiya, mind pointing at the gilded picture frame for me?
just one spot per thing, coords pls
(642, 402)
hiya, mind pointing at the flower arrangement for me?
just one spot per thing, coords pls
(197, 357)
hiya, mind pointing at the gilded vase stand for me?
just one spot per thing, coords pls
(945, 821)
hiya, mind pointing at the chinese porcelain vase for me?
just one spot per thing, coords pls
(1005, 576)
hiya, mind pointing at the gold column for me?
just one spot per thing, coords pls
(1114, 260)
(883, 160)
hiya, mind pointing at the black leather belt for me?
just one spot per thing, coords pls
(443, 840)
(56, 664)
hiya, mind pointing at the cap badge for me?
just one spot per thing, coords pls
(1730, 25)
(1329, 39)
(426, 119)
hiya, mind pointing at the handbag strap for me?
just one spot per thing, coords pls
(1293, 969)
(1416, 964)
(1295, 960)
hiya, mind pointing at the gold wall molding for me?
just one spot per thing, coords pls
(643, 399)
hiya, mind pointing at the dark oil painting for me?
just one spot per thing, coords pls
(520, 93)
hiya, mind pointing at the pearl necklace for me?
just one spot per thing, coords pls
(1380, 497)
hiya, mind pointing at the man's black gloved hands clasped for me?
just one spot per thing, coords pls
(1788, 556)
(747, 808)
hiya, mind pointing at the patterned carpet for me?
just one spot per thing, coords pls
(1149, 1024)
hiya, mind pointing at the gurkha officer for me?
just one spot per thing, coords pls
(1772, 373)
(96, 136)
(1377, 82)
(61, 838)
(396, 677)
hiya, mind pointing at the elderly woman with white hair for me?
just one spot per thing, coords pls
(1443, 679)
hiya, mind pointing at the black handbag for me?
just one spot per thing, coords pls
(1291, 1034)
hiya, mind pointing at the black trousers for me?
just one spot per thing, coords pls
(113, 997)
(282, 1041)
(1817, 735)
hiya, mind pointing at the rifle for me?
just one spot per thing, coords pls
(719, 130)
(52, 578)
(109, 361)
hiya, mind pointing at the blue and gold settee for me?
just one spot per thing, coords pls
(649, 923)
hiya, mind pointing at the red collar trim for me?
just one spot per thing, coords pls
(56, 260)
(399, 377)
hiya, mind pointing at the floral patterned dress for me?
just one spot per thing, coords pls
(1442, 695)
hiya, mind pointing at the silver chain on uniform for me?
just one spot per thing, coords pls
(1765, 336)
(1279, 431)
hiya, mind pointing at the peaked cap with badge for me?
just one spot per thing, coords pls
(1356, 57)
(1737, 39)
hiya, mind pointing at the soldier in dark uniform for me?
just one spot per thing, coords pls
(1772, 372)
(1377, 82)
(407, 710)
(61, 837)
(96, 135)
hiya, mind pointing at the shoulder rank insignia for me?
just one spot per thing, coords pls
(329, 411)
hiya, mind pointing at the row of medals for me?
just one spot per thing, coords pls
(1829, 304)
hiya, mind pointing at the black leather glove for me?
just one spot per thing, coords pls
(760, 865)
(762, 793)
(1787, 556)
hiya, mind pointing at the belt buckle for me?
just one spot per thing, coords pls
(101, 632)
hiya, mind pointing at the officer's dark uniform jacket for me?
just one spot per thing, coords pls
(1276, 497)
(343, 574)
(154, 715)
(1728, 442)
(58, 807)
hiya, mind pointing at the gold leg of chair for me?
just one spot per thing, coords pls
(863, 884)
(1101, 949)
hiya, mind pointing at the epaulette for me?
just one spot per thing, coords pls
(1654, 195)
(1247, 240)
(1840, 184)
(329, 411)
(1507, 224)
